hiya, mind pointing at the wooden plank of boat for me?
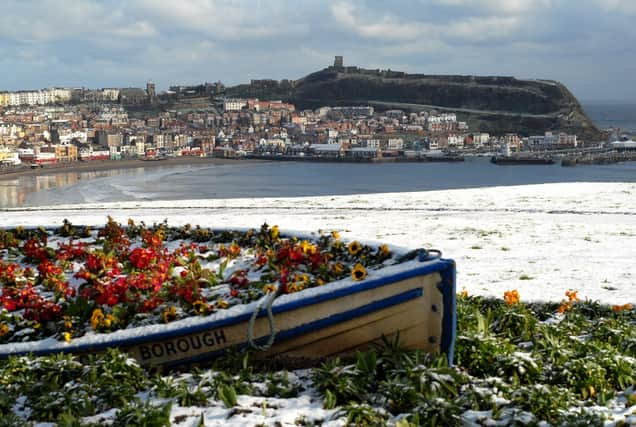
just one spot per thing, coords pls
(415, 300)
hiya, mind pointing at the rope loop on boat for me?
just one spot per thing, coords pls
(429, 254)
(268, 299)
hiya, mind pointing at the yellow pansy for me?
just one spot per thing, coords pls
(269, 288)
(96, 318)
(354, 248)
(359, 272)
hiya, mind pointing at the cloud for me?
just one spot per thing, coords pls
(135, 30)
(385, 27)
(54, 20)
(222, 19)
(618, 6)
(499, 7)
(124, 42)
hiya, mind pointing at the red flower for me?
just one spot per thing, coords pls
(239, 278)
(48, 269)
(94, 263)
(152, 240)
(141, 258)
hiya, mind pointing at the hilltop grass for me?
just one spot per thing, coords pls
(515, 364)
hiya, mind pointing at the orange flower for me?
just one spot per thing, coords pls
(624, 307)
(235, 250)
(511, 297)
(335, 234)
(463, 293)
(565, 306)
(572, 295)
(384, 250)
(572, 299)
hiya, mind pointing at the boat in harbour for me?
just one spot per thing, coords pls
(522, 160)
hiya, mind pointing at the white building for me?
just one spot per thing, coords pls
(443, 118)
(373, 143)
(455, 141)
(480, 139)
(39, 97)
(110, 94)
(81, 136)
(394, 144)
(234, 104)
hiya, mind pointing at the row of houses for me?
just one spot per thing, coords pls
(35, 97)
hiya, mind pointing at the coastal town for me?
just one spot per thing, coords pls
(60, 126)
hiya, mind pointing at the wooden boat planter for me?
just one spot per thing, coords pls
(414, 299)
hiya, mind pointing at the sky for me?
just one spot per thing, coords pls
(586, 44)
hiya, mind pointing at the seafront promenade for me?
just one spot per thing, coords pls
(104, 165)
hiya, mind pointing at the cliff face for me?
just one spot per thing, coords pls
(491, 104)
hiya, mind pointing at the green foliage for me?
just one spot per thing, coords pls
(343, 381)
(278, 385)
(143, 415)
(61, 386)
(363, 415)
(514, 322)
(438, 412)
(478, 354)
(546, 403)
(330, 400)
(227, 394)
(10, 419)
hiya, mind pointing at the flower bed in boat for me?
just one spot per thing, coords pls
(72, 281)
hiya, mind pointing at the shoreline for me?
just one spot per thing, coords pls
(105, 165)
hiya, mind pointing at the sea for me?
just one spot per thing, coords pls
(292, 179)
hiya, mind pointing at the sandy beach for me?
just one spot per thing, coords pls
(103, 165)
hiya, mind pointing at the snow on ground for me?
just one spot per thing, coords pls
(540, 239)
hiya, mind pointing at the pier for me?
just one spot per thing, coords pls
(598, 157)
